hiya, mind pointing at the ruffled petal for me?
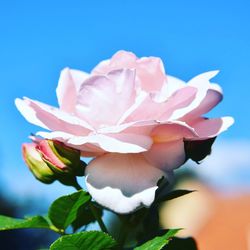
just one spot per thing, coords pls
(102, 100)
(149, 109)
(173, 84)
(150, 72)
(118, 143)
(168, 152)
(213, 97)
(209, 128)
(121, 59)
(101, 68)
(69, 84)
(51, 118)
(202, 84)
(122, 182)
(173, 131)
(29, 113)
(167, 155)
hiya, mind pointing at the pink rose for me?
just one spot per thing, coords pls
(134, 120)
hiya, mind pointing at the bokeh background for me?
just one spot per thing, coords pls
(40, 38)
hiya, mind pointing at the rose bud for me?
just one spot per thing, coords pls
(62, 159)
(36, 164)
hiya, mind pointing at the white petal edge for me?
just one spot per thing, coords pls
(28, 113)
(121, 144)
(201, 82)
(226, 122)
(120, 203)
(123, 182)
(69, 84)
(32, 115)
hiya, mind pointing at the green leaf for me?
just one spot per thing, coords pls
(173, 195)
(64, 210)
(8, 223)
(85, 216)
(158, 242)
(91, 240)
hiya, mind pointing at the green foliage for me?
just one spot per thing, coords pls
(8, 223)
(92, 240)
(85, 216)
(78, 210)
(64, 210)
(158, 242)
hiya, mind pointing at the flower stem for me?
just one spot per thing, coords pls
(93, 210)
(77, 186)
(123, 231)
(57, 230)
(98, 217)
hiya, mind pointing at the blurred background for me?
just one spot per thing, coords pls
(40, 38)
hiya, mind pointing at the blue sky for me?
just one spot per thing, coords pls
(39, 38)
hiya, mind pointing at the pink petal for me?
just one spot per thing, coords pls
(168, 152)
(151, 73)
(173, 84)
(149, 109)
(101, 68)
(167, 155)
(202, 84)
(179, 100)
(118, 143)
(29, 113)
(209, 128)
(128, 179)
(87, 150)
(51, 118)
(149, 70)
(102, 100)
(172, 131)
(136, 127)
(143, 127)
(170, 86)
(68, 86)
(212, 98)
(121, 59)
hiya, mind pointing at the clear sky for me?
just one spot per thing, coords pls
(39, 38)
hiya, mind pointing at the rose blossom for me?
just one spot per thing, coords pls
(133, 119)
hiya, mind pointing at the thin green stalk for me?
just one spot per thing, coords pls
(77, 186)
(57, 230)
(124, 230)
(98, 217)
